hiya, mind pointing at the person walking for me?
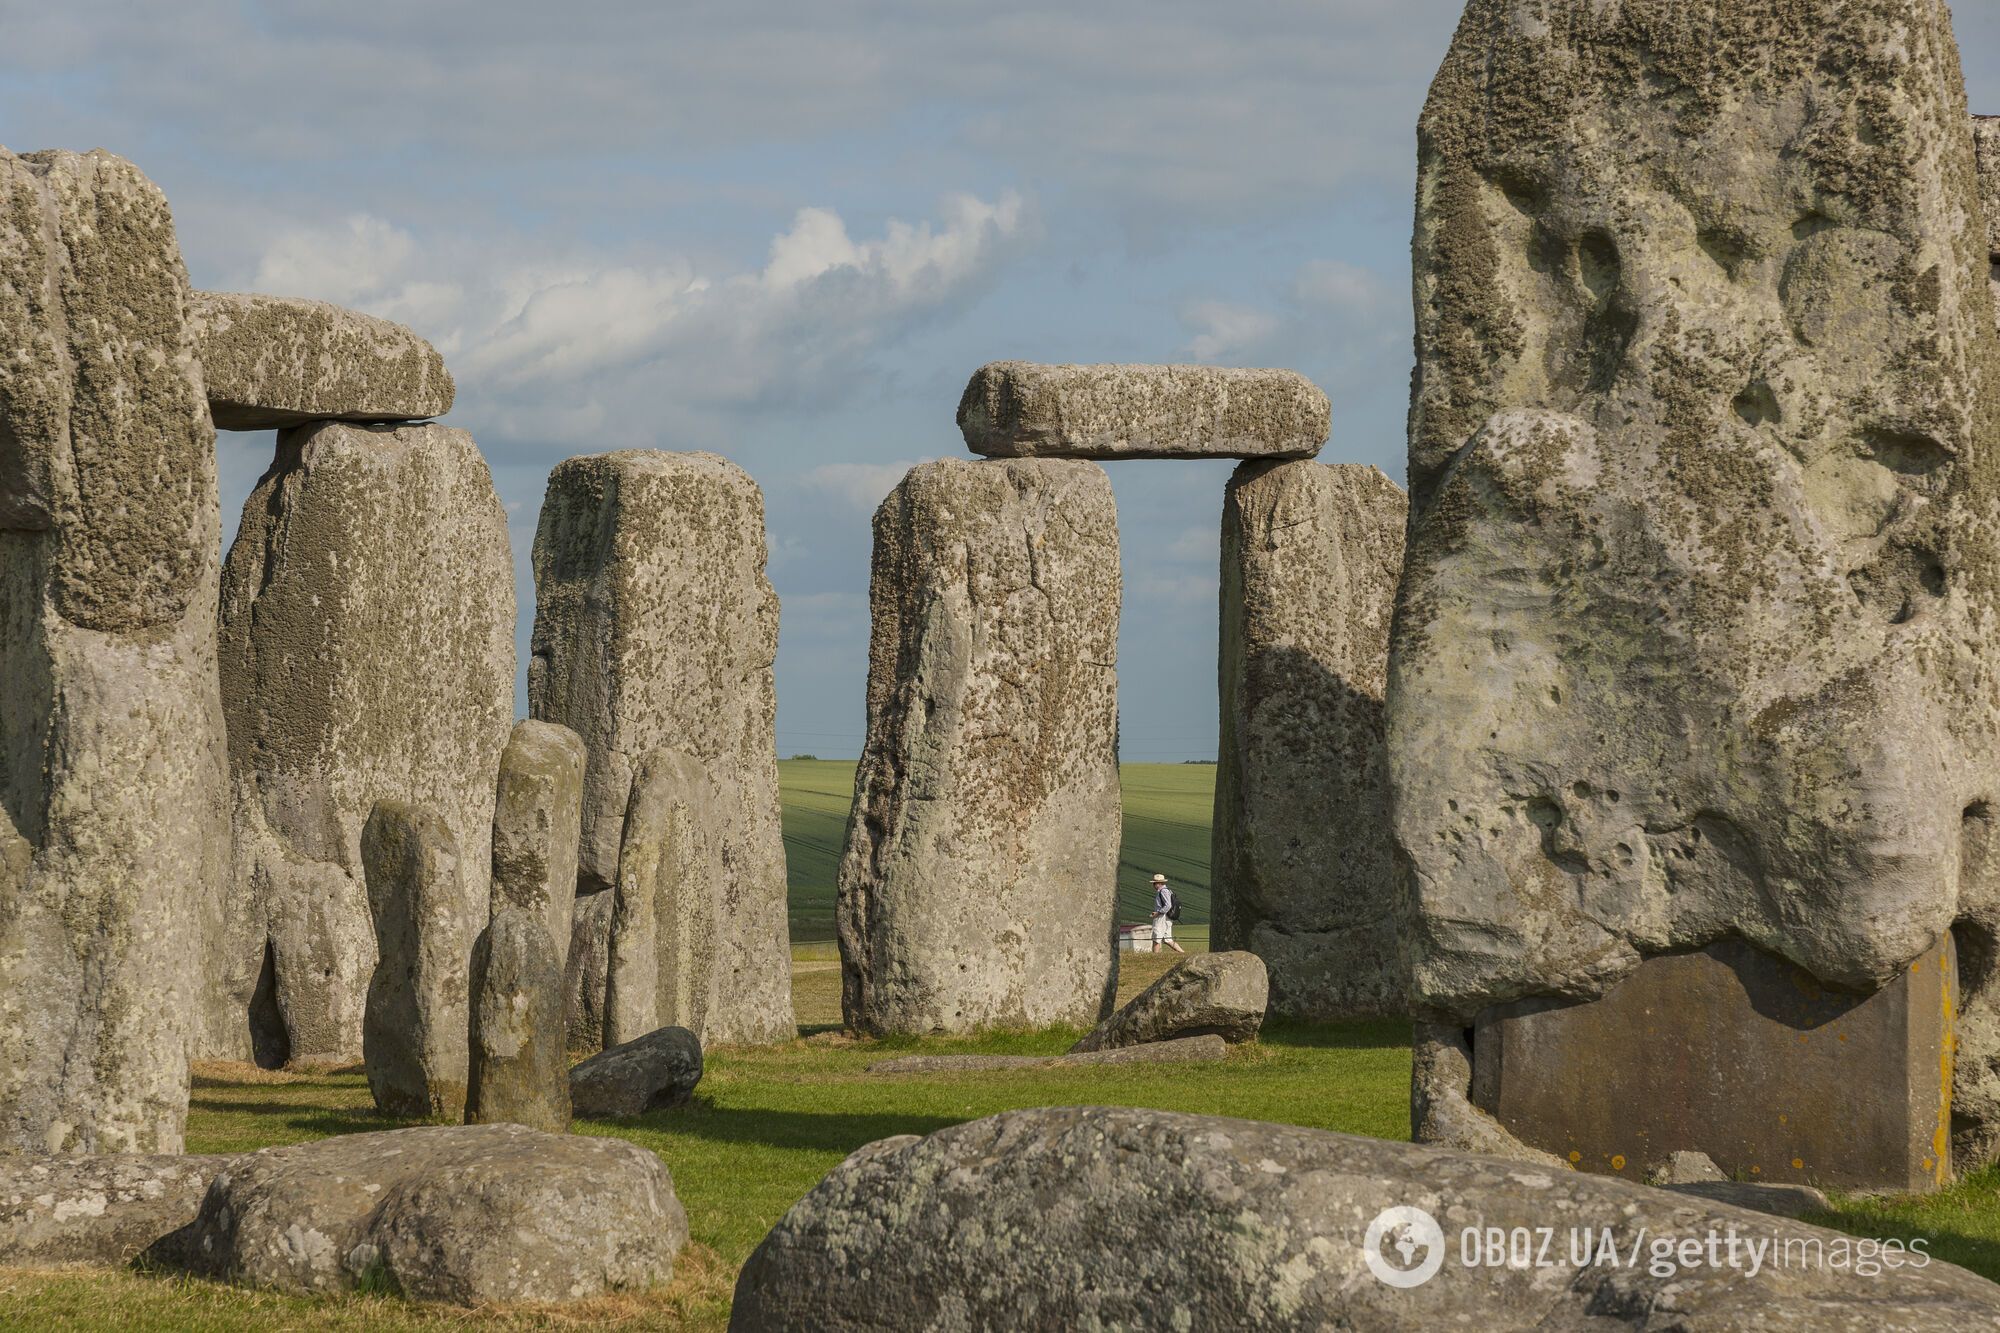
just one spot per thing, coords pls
(1166, 911)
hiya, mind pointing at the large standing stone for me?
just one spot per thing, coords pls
(1224, 994)
(1017, 409)
(414, 1037)
(656, 628)
(275, 361)
(1089, 1217)
(1304, 862)
(467, 1214)
(1695, 634)
(1986, 150)
(368, 654)
(537, 820)
(586, 974)
(518, 1068)
(113, 781)
(978, 886)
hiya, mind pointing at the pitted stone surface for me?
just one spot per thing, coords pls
(1695, 630)
(1086, 1217)
(1304, 864)
(519, 1067)
(114, 837)
(276, 361)
(586, 974)
(425, 924)
(653, 1072)
(978, 885)
(96, 1210)
(1220, 994)
(1018, 409)
(368, 654)
(655, 628)
(1986, 146)
(537, 820)
(460, 1214)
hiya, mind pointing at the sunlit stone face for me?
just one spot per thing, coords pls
(1691, 631)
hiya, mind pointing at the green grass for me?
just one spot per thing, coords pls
(1168, 808)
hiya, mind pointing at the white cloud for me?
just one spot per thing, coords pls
(1227, 332)
(861, 486)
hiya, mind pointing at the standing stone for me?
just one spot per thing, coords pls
(586, 974)
(519, 1072)
(978, 886)
(273, 361)
(537, 819)
(368, 654)
(656, 628)
(1986, 147)
(659, 970)
(414, 1036)
(1017, 409)
(1694, 637)
(113, 782)
(1304, 863)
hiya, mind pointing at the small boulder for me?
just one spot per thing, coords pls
(463, 1214)
(648, 1073)
(275, 361)
(96, 1210)
(1684, 1168)
(1220, 993)
(1094, 1217)
(519, 1067)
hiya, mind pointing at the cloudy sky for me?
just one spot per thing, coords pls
(787, 232)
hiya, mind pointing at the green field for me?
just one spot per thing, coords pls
(1167, 812)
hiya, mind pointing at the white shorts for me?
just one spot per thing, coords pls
(1163, 930)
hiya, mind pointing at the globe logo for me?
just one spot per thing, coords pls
(1404, 1247)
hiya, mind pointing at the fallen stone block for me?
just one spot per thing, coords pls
(650, 1073)
(463, 1214)
(1019, 409)
(1219, 993)
(275, 361)
(102, 1211)
(1087, 1217)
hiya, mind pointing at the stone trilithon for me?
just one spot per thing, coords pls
(1694, 636)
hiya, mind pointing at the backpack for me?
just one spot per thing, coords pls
(1173, 906)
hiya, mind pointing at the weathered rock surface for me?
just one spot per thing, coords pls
(114, 838)
(1304, 864)
(1441, 1109)
(654, 1072)
(537, 820)
(415, 1034)
(1779, 1200)
(586, 974)
(103, 1210)
(655, 629)
(1986, 150)
(1097, 1218)
(446, 1213)
(1694, 637)
(368, 654)
(978, 884)
(1224, 994)
(519, 1066)
(1179, 1050)
(663, 920)
(1018, 409)
(1684, 1168)
(276, 361)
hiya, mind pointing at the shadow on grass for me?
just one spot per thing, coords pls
(318, 1119)
(826, 1131)
(1959, 1224)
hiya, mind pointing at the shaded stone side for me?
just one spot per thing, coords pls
(368, 654)
(1694, 635)
(519, 1070)
(537, 820)
(274, 361)
(103, 1211)
(587, 971)
(1741, 1056)
(660, 968)
(1018, 409)
(417, 1015)
(655, 627)
(978, 884)
(1304, 872)
(113, 783)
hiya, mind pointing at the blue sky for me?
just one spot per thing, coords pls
(787, 233)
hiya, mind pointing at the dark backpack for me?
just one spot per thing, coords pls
(1173, 906)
